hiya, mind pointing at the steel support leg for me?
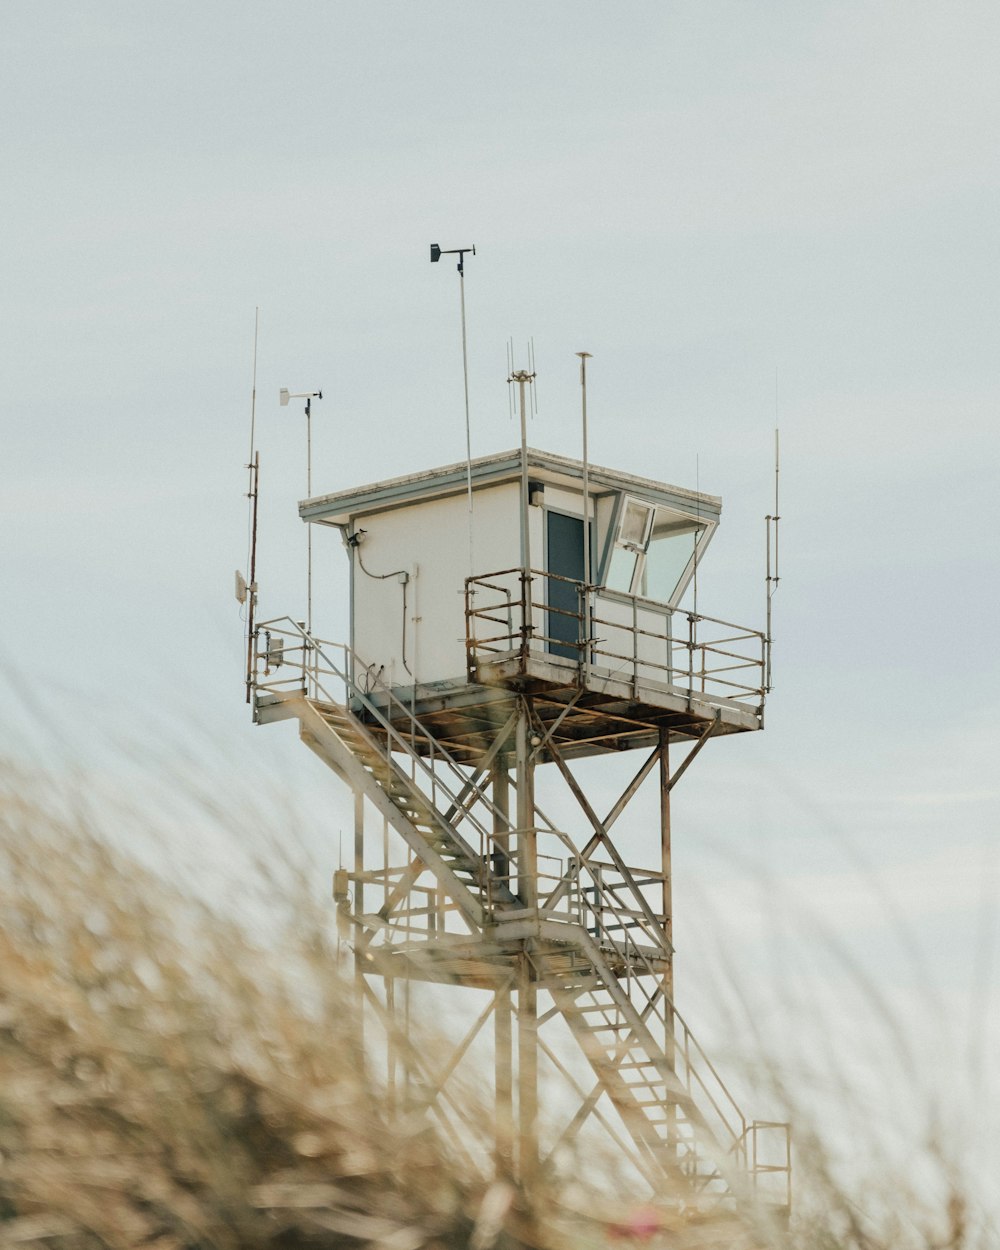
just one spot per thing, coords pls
(527, 990)
(668, 923)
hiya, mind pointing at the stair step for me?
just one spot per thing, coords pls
(646, 1082)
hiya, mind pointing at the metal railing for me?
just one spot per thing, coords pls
(317, 674)
(629, 636)
(762, 1167)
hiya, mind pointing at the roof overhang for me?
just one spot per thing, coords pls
(452, 479)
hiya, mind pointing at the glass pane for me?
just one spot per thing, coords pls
(670, 550)
(622, 569)
(635, 522)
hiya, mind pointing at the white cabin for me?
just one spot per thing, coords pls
(441, 606)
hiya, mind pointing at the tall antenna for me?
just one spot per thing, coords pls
(772, 576)
(284, 395)
(253, 391)
(253, 490)
(524, 378)
(584, 357)
(697, 530)
(436, 254)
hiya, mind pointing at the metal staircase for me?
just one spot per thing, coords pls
(341, 740)
(639, 1075)
(592, 940)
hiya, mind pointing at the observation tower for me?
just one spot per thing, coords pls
(457, 685)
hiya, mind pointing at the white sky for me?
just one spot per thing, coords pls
(703, 194)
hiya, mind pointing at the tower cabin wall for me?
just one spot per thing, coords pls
(429, 543)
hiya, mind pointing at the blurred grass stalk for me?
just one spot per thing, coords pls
(175, 1076)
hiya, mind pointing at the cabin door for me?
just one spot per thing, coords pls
(564, 559)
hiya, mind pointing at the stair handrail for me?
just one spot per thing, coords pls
(668, 1015)
(311, 675)
(754, 1168)
(643, 1037)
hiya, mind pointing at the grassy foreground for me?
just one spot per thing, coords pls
(168, 1079)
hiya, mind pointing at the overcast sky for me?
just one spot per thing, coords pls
(746, 212)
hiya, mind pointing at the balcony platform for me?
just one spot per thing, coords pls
(593, 713)
(451, 958)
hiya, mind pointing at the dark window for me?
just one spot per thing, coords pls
(564, 547)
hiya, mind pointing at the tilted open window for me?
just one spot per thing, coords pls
(653, 550)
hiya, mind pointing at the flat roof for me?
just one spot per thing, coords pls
(452, 479)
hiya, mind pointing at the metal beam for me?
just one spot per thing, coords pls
(689, 758)
(459, 1053)
(482, 768)
(627, 794)
(413, 1059)
(589, 1107)
(601, 836)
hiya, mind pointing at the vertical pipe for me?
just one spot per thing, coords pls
(503, 1158)
(522, 378)
(527, 994)
(772, 577)
(359, 908)
(500, 858)
(252, 591)
(527, 1072)
(468, 428)
(668, 922)
(584, 356)
(309, 532)
(665, 853)
(526, 853)
(390, 1048)
(503, 1040)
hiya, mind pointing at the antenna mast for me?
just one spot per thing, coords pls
(284, 395)
(772, 578)
(253, 488)
(524, 378)
(584, 357)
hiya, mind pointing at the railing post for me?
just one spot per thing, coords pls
(635, 646)
(501, 821)
(470, 644)
(527, 623)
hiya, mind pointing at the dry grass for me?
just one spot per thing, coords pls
(167, 1081)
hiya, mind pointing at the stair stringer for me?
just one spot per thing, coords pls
(324, 741)
(640, 1127)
